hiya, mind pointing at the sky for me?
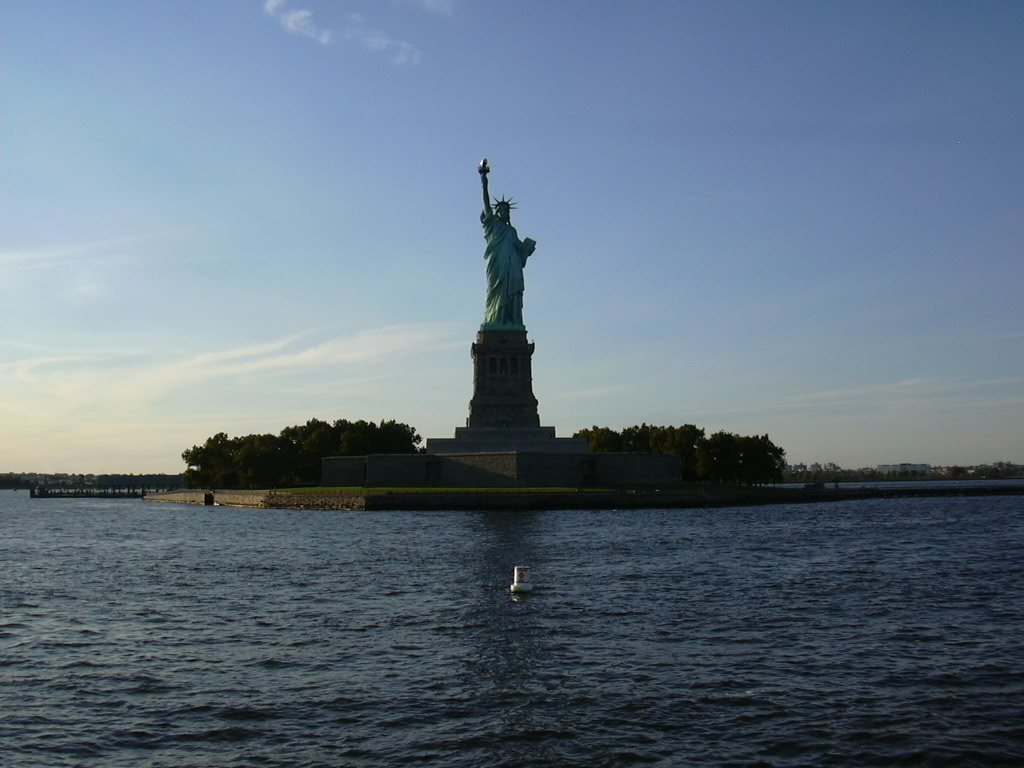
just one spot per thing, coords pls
(804, 219)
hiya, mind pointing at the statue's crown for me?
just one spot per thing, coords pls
(507, 203)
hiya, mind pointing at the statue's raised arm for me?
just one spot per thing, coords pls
(484, 169)
(506, 256)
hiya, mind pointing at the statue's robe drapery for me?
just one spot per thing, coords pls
(506, 256)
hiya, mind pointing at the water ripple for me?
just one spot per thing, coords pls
(866, 633)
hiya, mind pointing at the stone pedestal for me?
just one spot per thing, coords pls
(503, 411)
(502, 382)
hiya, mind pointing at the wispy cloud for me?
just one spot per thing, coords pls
(301, 23)
(356, 31)
(60, 255)
(297, 22)
(440, 7)
(130, 381)
(73, 274)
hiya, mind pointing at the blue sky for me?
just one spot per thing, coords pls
(796, 218)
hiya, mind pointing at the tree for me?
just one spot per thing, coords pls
(683, 442)
(293, 457)
(761, 460)
(601, 439)
(260, 461)
(211, 465)
(719, 458)
(305, 445)
(637, 439)
(358, 439)
(393, 437)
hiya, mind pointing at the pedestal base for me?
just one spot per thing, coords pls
(506, 440)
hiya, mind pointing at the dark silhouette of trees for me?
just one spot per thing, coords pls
(291, 458)
(212, 464)
(13, 481)
(720, 458)
(602, 439)
(684, 442)
(762, 461)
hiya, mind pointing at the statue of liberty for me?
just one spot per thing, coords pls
(506, 256)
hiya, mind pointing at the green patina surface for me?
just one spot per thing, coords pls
(506, 256)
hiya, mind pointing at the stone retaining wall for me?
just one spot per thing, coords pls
(265, 499)
(502, 470)
(693, 496)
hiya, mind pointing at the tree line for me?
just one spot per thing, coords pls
(13, 481)
(292, 457)
(723, 457)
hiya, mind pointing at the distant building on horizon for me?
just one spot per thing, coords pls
(893, 469)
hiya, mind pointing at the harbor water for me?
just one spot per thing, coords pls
(876, 632)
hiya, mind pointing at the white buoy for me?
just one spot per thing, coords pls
(521, 579)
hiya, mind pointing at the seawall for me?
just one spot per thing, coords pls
(695, 496)
(265, 499)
